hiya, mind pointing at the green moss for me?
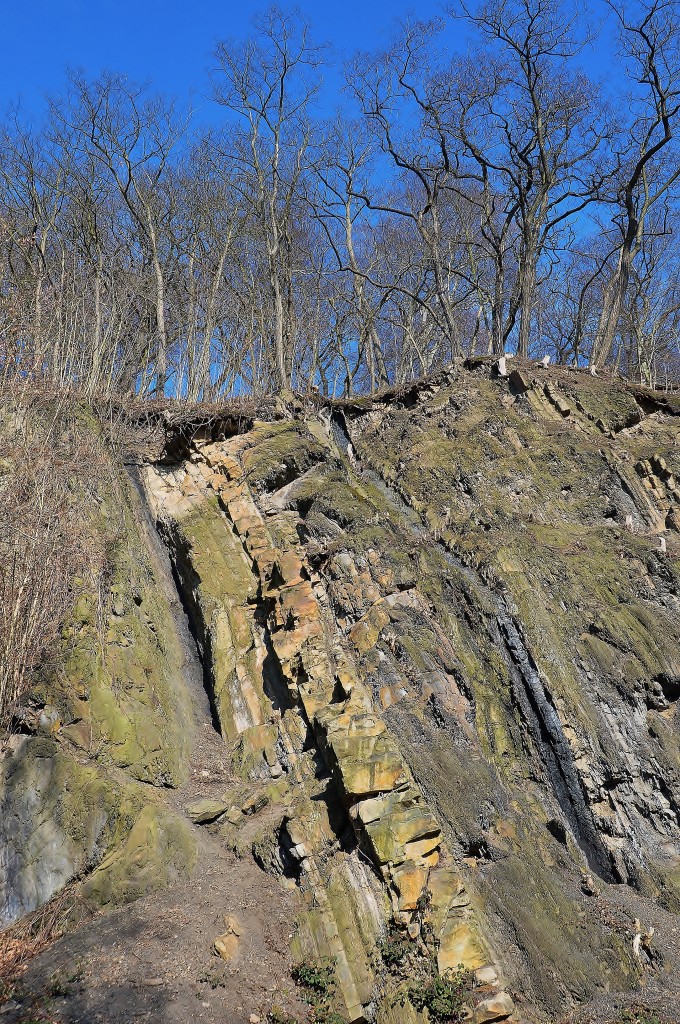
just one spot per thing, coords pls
(117, 684)
(122, 703)
(71, 819)
(279, 453)
(220, 587)
(158, 849)
(221, 570)
(614, 407)
(255, 750)
(123, 678)
(523, 498)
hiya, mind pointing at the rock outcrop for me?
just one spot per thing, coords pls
(104, 730)
(440, 636)
(315, 696)
(457, 600)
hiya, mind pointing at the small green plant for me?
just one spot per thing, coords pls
(643, 1015)
(278, 1016)
(63, 982)
(212, 978)
(421, 914)
(423, 904)
(395, 949)
(317, 980)
(443, 996)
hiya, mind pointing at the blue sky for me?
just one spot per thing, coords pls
(168, 42)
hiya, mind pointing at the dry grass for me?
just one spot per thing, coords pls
(23, 941)
(58, 452)
(49, 465)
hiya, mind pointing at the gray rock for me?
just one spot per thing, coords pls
(205, 810)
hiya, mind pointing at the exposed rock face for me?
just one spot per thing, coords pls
(454, 627)
(46, 841)
(562, 610)
(441, 640)
(313, 685)
(110, 719)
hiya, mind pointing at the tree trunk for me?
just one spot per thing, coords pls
(376, 360)
(612, 305)
(497, 338)
(279, 349)
(162, 338)
(432, 241)
(204, 358)
(526, 302)
(162, 345)
(96, 369)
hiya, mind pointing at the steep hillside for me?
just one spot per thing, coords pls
(439, 634)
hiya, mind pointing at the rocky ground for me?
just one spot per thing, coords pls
(154, 959)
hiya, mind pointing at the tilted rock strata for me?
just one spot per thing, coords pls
(485, 554)
(440, 630)
(394, 825)
(603, 601)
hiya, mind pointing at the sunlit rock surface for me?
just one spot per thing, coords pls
(440, 634)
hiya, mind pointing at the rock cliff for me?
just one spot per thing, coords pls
(439, 634)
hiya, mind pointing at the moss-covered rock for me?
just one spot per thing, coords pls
(62, 819)
(157, 850)
(457, 653)
(116, 708)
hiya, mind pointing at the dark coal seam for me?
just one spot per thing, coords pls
(546, 729)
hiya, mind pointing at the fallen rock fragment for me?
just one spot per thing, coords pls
(497, 1007)
(205, 810)
(255, 803)
(226, 945)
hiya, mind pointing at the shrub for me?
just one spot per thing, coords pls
(443, 996)
(643, 1015)
(64, 982)
(317, 979)
(395, 949)
(52, 463)
(278, 1016)
(212, 978)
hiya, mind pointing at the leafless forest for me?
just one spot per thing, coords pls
(479, 201)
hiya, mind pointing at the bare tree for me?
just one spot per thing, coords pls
(531, 127)
(212, 220)
(339, 204)
(269, 82)
(650, 41)
(404, 97)
(472, 207)
(131, 136)
(32, 181)
(650, 322)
